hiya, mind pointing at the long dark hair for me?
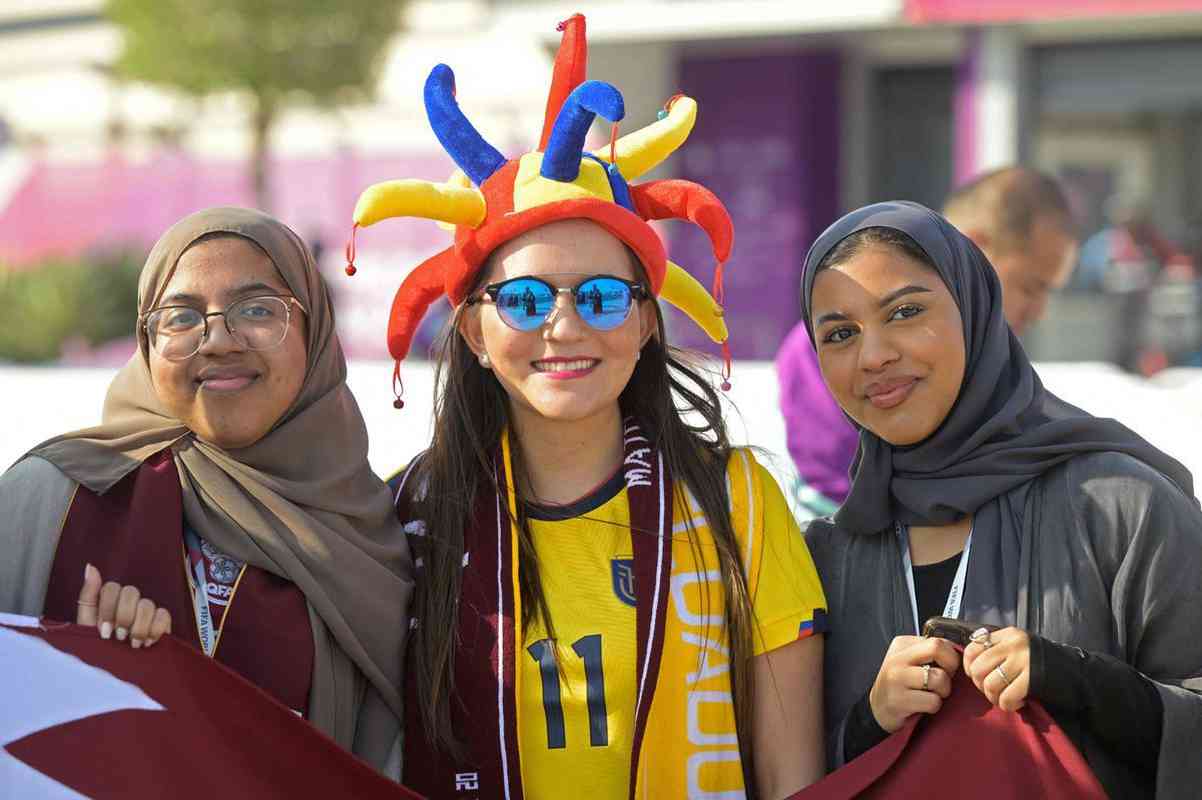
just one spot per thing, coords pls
(470, 413)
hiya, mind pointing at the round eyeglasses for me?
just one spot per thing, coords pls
(524, 304)
(257, 323)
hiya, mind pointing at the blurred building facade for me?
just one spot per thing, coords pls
(807, 109)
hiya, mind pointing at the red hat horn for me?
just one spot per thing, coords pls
(571, 63)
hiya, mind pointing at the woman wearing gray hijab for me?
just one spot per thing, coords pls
(227, 486)
(979, 495)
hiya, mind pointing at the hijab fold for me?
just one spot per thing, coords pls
(1004, 430)
(301, 503)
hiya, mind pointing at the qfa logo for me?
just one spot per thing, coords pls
(622, 572)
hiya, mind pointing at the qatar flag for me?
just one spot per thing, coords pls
(81, 717)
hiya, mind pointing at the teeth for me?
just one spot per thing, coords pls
(564, 366)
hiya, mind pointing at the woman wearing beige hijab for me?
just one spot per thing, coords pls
(231, 456)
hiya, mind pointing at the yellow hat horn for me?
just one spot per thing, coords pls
(643, 150)
(686, 293)
(444, 202)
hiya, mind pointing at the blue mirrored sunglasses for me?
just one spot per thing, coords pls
(525, 303)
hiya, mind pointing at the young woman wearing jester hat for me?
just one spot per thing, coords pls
(608, 596)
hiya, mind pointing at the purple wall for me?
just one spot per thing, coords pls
(965, 132)
(65, 209)
(767, 143)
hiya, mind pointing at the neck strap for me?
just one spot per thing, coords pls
(954, 596)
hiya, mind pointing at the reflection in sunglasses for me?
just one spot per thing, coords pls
(525, 303)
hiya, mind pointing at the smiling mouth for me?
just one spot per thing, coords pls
(563, 368)
(893, 397)
(227, 383)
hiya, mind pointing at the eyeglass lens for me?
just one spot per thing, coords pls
(525, 303)
(257, 323)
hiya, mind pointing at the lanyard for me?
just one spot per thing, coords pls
(200, 603)
(952, 607)
(198, 581)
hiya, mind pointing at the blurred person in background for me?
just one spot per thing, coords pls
(1133, 260)
(821, 442)
(1131, 252)
(1021, 220)
(226, 495)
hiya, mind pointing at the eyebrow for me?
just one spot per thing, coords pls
(902, 292)
(834, 316)
(838, 316)
(255, 287)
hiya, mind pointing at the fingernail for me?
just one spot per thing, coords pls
(121, 634)
(106, 630)
(135, 643)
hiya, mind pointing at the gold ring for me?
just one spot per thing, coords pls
(926, 677)
(87, 605)
(1002, 673)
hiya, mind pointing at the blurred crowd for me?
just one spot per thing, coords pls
(1153, 282)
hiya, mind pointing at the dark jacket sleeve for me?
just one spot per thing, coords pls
(861, 731)
(1145, 539)
(1119, 705)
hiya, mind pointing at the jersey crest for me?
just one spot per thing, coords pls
(622, 571)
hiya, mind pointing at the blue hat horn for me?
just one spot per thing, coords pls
(565, 146)
(477, 158)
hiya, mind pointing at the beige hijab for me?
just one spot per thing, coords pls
(301, 503)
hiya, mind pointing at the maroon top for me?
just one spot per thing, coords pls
(133, 534)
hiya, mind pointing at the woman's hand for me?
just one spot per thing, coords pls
(120, 609)
(999, 663)
(915, 678)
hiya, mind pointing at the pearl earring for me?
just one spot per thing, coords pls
(485, 361)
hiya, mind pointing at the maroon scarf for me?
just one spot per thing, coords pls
(483, 701)
(133, 534)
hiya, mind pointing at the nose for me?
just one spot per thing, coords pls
(876, 351)
(564, 323)
(219, 340)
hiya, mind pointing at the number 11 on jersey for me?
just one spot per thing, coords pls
(588, 648)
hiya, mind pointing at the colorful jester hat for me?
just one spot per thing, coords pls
(490, 199)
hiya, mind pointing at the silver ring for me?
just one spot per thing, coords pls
(981, 636)
(1002, 674)
(926, 677)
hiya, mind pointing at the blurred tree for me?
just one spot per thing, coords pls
(323, 52)
(92, 299)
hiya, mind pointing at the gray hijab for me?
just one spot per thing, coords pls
(1004, 430)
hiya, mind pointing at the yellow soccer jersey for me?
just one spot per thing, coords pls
(576, 712)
